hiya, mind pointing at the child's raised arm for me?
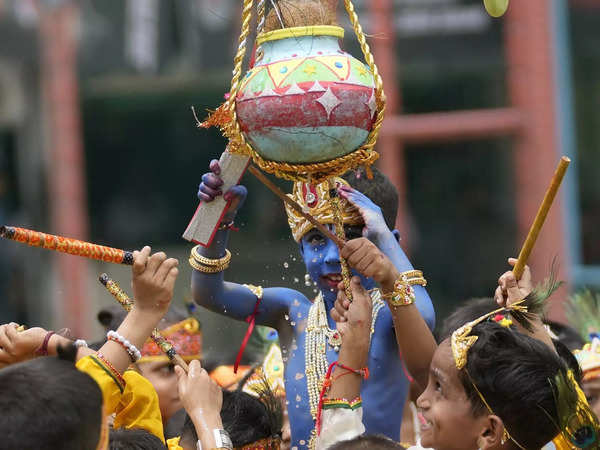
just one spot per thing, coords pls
(415, 341)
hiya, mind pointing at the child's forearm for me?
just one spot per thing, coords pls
(353, 354)
(414, 338)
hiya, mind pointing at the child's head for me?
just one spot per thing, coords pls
(512, 372)
(185, 335)
(134, 439)
(47, 403)
(320, 254)
(367, 442)
(246, 419)
(466, 312)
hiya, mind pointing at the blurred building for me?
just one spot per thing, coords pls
(480, 111)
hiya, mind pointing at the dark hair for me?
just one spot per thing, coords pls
(380, 191)
(366, 442)
(48, 403)
(513, 372)
(246, 418)
(134, 439)
(466, 312)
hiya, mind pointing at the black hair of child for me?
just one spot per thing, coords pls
(477, 307)
(367, 442)
(47, 403)
(380, 191)
(513, 372)
(134, 439)
(465, 313)
(245, 418)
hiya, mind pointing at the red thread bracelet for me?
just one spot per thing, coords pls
(363, 373)
(43, 350)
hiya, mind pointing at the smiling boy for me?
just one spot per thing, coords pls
(307, 332)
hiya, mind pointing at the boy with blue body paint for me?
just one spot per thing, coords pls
(307, 332)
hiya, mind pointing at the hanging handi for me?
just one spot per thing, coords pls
(306, 110)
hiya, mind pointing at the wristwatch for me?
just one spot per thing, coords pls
(222, 440)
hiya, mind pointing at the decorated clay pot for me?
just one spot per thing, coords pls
(306, 100)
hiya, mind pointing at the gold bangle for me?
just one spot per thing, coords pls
(412, 274)
(403, 293)
(207, 269)
(208, 261)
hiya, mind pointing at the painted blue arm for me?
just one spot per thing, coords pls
(235, 300)
(389, 245)
(378, 232)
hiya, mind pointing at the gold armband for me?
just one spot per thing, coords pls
(208, 265)
(403, 293)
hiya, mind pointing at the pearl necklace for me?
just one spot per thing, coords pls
(315, 351)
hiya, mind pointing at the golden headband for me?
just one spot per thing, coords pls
(314, 200)
(186, 338)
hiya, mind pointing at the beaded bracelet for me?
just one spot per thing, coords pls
(116, 374)
(80, 343)
(132, 351)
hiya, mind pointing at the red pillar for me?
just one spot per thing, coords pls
(65, 165)
(392, 161)
(529, 55)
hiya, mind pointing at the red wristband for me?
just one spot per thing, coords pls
(43, 350)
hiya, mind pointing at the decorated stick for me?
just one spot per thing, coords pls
(67, 245)
(205, 222)
(534, 231)
(268, 183)
(127, 304)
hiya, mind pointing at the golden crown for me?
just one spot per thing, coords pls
(314, 200)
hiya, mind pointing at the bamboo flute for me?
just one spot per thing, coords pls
(126, 302)
(540, 217)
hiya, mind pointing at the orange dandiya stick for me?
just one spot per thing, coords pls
(540, 218)
(67, 245)
(126, 302)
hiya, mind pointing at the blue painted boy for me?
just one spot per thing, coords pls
(307, 332)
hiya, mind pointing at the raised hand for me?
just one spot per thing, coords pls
(364, 256)
(375, 225)
(17, 346)
(210, 188)
(153, 280)
(356, 314)
(202, 399)
(510, 290)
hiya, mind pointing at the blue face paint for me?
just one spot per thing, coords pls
(322, 260)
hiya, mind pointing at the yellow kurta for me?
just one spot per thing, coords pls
(135, 404)
(173, 443)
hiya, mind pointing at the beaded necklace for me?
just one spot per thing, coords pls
(318, 334)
